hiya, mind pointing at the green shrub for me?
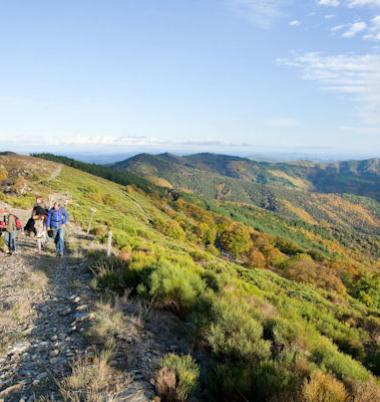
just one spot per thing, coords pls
(236, 334)
(175, 286)
(170, 228)
(325, 354)
(367, 290)
(272, 378)
(186, 373)
(120, 239)
(288, 247)
(236, 240)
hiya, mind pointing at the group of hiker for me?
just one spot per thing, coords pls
(44, 223)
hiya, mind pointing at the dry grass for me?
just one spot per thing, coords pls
(112, 321)
(107, 324)
(366, 392)
(17, 303)
(38, 280)
(90, 380)
(296, 181)
(323, 388)
(165, 382)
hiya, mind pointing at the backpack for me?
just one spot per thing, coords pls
(18, 224)
(2, 225)
(39, 210)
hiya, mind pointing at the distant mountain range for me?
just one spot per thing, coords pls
(356, 177)
(312, 191)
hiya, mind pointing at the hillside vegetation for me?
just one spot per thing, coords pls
(276, 309)
(300, 190)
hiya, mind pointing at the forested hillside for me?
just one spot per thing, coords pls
(355, 177)
(274, 308)
(331, 195)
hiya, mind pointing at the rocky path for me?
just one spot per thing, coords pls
(44, 308)
(46, 305)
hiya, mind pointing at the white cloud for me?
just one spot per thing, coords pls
(329, 16)
(284, 122)
(354, 29)
(329, 3)
(109, 142)
(295, 23)
(374, 30)
(355, 76)
(262, 13)
(338, 28)
(362, 3)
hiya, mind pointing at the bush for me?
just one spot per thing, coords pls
(256, 258)
(177, 378)
(367, 290)
(229, 382)
(117, 275)
(273, 379)
(325, 354)
(288, 247)
(172, 229)
(205, 233)
(236, 334)
(365, 392)
(120, 239)
(236, 240)
(175, 286)
(323, 388)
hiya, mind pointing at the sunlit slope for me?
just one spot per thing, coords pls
(286, 189)
(356, 177)
(265, 333)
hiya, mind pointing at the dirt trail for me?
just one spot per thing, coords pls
(45, 307)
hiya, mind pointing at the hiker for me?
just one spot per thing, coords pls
(12, 226)
(39, 209)
(56, 221)
(40, 230)
(2, 231)
(2, 222)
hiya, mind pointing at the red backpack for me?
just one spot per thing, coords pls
(18, 224)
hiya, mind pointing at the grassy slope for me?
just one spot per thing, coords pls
(323, 320)
(307, 328)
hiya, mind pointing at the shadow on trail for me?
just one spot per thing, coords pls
(54, 337)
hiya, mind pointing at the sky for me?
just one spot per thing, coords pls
(227, 76)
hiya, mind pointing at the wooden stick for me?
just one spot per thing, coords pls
(109, 244)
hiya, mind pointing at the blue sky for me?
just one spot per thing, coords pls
(193, 75)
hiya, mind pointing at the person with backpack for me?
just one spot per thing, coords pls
(39, 210)
(56, 221)
(12, 226)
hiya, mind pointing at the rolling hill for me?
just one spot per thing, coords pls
(355, 177)
(341, 195)
(272, 307)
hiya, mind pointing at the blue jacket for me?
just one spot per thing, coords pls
(56, 218)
